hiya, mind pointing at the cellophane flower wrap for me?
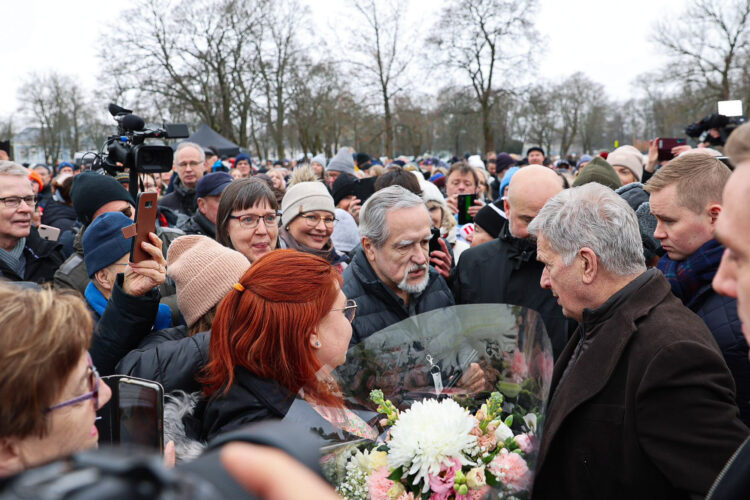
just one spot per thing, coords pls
(464, 436)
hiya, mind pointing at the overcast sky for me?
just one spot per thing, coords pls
(599, 37)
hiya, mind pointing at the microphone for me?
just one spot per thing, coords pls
(132, 123)
(116, 110)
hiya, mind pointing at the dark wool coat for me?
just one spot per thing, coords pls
(646, 411)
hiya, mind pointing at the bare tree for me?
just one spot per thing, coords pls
(379, 56)
(573, 96)
(482, 40)
(539, 116)
(709, 44)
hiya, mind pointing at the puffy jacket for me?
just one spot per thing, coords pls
(181, 200)
(505, 271)
(169, 357)
(126, 321)
(198, 224)
(378, 307)
(42, 260)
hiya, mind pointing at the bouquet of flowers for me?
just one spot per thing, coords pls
(438, 450)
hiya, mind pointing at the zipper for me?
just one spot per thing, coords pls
(723, 472)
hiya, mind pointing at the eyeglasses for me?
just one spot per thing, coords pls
(15, 201)
(251, 221)
(350, 310)
(93, 394)
(314, 220)
(193, 164)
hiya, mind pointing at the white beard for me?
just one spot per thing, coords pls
(418, 287)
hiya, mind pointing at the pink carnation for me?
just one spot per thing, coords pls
(488, 441)
(378, 484)
(442, 484)
(544, 365)
(478, 494)
(518, 367)
(406, 496)
(526, 442)
(511, 469)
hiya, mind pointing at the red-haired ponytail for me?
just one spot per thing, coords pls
(266, 328)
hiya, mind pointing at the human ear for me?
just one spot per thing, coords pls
(589, 265)
(713, 211)
(315, 341)
(104, 279)
(369, 249)
(506, 207)
(10, 457)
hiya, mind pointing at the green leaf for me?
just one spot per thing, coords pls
(490, 478)
(382, 447)
(396, 474)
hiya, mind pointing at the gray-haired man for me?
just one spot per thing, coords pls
(389, 276)
(641, 402)
(189, 163)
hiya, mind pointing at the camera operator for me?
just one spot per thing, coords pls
(189, 163)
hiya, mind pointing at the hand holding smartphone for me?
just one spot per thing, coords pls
(465, 202)
(135, 414)
(145, 223)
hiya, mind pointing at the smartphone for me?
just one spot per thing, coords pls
(434, 244)
(465, 201)
(145, 222)
(49, 233)
(665, 147)
(134, 415)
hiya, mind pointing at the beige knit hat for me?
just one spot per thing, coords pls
(204, 272)
(305, 197)
(622, 157)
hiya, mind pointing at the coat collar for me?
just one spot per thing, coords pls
(595, 366)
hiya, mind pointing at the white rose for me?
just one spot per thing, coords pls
(503, 432)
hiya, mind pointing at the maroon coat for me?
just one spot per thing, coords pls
(648, 409)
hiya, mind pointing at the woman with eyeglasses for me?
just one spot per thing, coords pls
(49, 388)
(276, 338)
(307, 220)
(248, 218)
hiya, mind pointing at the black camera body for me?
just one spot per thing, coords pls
(127, 151)
(725, 125)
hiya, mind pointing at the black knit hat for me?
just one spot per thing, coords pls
(91, 191)
(489, 219)
(342, 187)
(535, 148)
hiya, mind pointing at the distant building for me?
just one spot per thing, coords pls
(28, 148)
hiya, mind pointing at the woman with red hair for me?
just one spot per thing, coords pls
(277, 335)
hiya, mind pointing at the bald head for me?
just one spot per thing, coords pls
(529, 190)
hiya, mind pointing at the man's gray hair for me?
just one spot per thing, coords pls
(13, 168)
(186, 144)
(372, 217)
(592, 216)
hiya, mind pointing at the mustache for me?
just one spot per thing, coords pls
(417, 267)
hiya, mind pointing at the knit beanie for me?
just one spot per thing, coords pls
(506, 179)
(91, 191)
(489, 219)
(584, 159)
(342, 187)
(34, 177)
(240, 157)
(342, 162)
(475, 161)
(345, 236)
(503, 161)
(598, 170)
(305, 197)
(626, 158)
(319, 159)
(103, 241)
(204, 271)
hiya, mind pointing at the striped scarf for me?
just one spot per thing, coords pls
(689, 276)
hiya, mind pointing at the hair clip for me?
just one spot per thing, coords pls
(238, 287)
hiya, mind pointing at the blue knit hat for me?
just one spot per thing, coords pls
(103, 242)
(506, 179)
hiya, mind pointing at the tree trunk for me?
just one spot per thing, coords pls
(489, 136)
(388, 125)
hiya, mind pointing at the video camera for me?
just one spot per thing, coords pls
(724, 125)
(127, 150)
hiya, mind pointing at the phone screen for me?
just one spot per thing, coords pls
(465, 201)
(140, 415)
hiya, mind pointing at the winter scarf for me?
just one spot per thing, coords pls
(689, 276)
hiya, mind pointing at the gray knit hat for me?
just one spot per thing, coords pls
(305, 197)
(319, 159)
(342, 162)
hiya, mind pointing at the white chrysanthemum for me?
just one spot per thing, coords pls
(428, 435)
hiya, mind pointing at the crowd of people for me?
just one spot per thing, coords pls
(261, 276)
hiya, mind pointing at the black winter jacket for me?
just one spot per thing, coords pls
(198, 224)
(169, 357)
(250, 399)
(126, 321)
(181, 200)
(42, 260)
(378, 307)
(59, 215)
(505, 271)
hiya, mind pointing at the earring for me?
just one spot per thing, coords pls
(317, 343)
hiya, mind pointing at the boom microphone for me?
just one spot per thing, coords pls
(132, 123)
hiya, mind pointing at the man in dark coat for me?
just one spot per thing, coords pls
(24, 255)
(686, 198)
(208, 190)
(505, 270)
(390, 277)
(189, 163)
(641, 404)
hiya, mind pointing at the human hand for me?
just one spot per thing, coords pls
(441, 260)
(452, 202)
(266, 472)
(169, 455)
(140, 278)
(678, 150)
(473, 380)
(354, 208)
(476, 207)
(653, 155)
